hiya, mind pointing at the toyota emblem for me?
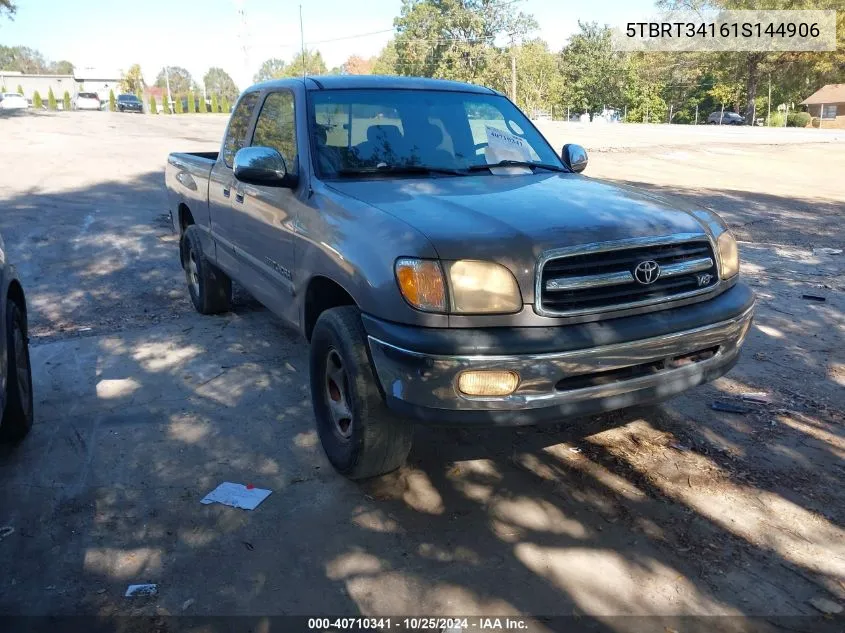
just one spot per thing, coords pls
(647, 272)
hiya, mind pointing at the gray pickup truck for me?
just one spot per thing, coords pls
(447, 265)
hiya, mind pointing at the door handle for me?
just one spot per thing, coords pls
(226, 192)
(239, 196)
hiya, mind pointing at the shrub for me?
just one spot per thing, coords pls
(165, 105)
(51, 100)
(66, 101)
(20, 89)
(776, 120)
(153, 107)
(224, 106)
(203, 105)
(192, 105)
(3, 88)
(36, 100)
(179, 109)
(798, 119)
(215, 106)
(112, 106)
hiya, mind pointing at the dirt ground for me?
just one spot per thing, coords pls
(143, 406)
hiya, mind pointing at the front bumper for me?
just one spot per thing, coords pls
(558, 385)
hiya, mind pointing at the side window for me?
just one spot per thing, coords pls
(276, 127)
(238, 127)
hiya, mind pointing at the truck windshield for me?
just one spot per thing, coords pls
(404, 131)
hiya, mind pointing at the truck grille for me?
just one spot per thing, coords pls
(605, 276)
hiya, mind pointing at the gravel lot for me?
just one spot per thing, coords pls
(144, 406)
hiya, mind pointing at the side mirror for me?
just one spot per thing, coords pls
(574, 157)
(261, 166)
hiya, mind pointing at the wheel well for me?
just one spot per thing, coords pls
(185, 217)
(16, 294)
(322, 294)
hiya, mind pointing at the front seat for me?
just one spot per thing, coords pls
(384, 144)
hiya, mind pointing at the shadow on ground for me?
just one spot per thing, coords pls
(668, 511)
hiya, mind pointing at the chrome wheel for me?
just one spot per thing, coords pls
(22, 366)
(337, 394)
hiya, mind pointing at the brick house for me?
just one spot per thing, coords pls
(827, 106)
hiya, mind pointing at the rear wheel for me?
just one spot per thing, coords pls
(360, 435)
(18, 414)
(210, 288)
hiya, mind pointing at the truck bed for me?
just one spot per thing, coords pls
(186, 178)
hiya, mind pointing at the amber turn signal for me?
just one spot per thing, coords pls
(421, 283)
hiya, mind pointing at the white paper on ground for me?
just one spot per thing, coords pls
(236, 495)
(501, 146)
(141, 590)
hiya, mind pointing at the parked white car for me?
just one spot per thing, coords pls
(86, 101)
(13, 101)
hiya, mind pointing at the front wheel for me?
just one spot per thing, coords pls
(361, 437)
(18, 415)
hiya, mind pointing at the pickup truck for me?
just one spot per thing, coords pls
(448, 266)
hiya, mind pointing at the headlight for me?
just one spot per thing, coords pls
(728, 254)
(421, 283)
(482, 287)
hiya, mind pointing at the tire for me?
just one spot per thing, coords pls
(373, 440)
(210, 288)
(18, 414)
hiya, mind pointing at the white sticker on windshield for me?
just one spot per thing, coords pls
(504, 146)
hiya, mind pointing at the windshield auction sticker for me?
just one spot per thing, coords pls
(717, 31)
(504, 146)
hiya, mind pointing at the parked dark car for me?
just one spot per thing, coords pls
(16, 412)
(129, 103)
(725, 118)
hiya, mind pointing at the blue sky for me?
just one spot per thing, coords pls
(197, 34)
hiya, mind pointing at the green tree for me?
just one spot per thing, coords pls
(66, 101)
(192, 105)
(51, 100)
(62, 67)
(225, 106)
(454, 39)
(23, 59)
(132, 80)
(272, 68)
(387, 61)
(165, 104)
(36, 100)
(218, 81)
(203, 106)
(8, 7)
(539, 83)
(19, 89)
(179, 109)
(313, 65)
(594, 74)
(180, 80)
(215, 105)
(112, 105)
(153, 106)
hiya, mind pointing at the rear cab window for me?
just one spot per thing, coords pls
(236, 133)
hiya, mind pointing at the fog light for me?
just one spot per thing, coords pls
(488, 383)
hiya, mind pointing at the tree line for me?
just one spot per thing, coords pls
(482, 41)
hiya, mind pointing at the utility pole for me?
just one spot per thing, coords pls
(696, 114)
(167, 83)
(670, 112)
(513, 70)
(302, 40)
(769, 113)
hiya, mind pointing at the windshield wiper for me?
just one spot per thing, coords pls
(516, 163)
(400, 169)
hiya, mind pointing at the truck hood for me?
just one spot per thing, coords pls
(513, 219)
